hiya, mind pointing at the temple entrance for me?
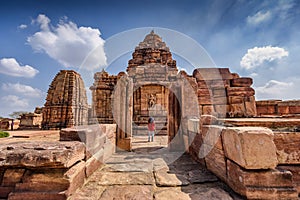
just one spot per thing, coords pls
(150, 101)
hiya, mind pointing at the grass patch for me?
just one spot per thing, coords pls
(3, 134)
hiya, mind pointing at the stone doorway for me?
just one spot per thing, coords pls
(150, 101)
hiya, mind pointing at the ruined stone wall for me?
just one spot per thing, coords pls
(255, 162)
(30, 121)
(56, 169)
(224, 94)
(102, 91)
(278, 108)
(66, 102)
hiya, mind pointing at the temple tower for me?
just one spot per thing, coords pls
(66, 103)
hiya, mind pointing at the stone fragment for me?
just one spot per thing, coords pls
(165, 179)
(250, 147)
(133, 192)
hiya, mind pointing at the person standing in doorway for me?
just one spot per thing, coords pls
(151, 129)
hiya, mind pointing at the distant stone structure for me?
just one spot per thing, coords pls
(66, 103)
(29, 121)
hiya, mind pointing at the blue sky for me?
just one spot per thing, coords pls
(259, 39)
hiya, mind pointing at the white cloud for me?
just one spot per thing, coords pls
(14, 101)
(25, 90)
(274, 89)
(258, 55)
(11, 67)
(259, 18)
(69, 44)
(22, 26)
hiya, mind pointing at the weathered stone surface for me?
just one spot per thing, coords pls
(46, 154)
(211, 194)
(35, 196)
(75, 176)
(216, 162)
(132, 192)
(250, 147)
(168, 194)
(240, 91)
(90, 191)
(287, 144)
(12, 176)
(93, 163)
(201, 176)
(295, 170)
(267, 184)
(163, 178)
(241, 82)
(129, 178)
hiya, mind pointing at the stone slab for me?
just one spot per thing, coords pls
(128, 192)
(124, 178)
(165, 179)
(250, 147)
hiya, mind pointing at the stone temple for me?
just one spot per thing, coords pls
(211, 115)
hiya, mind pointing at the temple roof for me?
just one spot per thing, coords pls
(153, 41)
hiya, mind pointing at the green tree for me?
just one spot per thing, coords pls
(17, 114)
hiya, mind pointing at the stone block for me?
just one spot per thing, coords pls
(237, 110)
(75, 176)
(287, 145)
(215, 161)
(36, 196)
(4, 191)
(208, 120)
(235, 99)
(94, 163)
(263, 184)
(250, 147)
(212, 74)
(240, 91)
(45, 154)
(222, 110)
(219, 100)
(208, 110)
(219, 92)
(205, 100)
(295, 170)
(204, 92)
(250, 108)
(12, 176)
(241, 82)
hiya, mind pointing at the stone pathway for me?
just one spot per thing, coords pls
(152, 173)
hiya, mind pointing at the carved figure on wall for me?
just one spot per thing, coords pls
(152, 100)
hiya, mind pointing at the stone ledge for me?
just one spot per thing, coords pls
(45, 154)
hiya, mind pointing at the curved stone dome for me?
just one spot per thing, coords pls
(66, 103)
